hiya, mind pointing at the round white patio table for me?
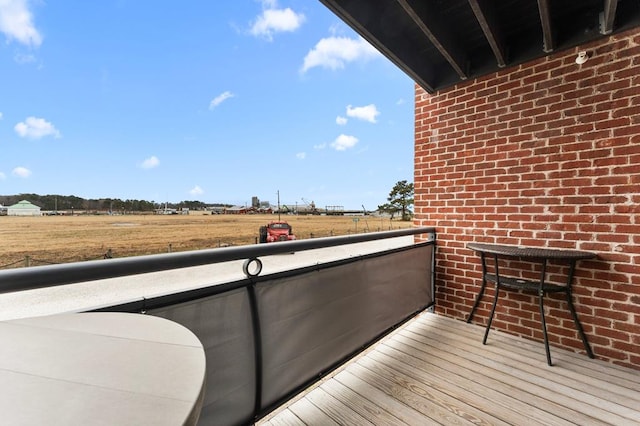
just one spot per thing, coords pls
(99, 369)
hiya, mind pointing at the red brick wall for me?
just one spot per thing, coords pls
(543, 154)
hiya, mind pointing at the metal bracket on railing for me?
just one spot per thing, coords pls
(252, 267)
(431, 236)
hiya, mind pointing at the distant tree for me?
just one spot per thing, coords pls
(147, 206)
(388, 209)
(400, 199)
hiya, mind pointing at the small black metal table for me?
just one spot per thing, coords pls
(540, 286)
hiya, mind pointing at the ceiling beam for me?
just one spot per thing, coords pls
(426, 17)
(548, 43)
(486, 16)
(424, 78)
(608, 16)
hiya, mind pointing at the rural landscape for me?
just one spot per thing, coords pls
(56, 230)
(33, 241)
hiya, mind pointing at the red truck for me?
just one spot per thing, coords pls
(276, 231)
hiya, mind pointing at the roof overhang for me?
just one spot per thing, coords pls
(440, 43)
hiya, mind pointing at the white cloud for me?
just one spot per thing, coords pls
(400, 101)
(320, 146)
(274, 20)
(150, 162)
(301, 155)
(341, 121)
(344, 142)
(21, 172)
(366, 113)
(220, 99)
(196, 190)
(16, 22)
(36, 128)
(0, 116)
(334, 52)
(2, 176)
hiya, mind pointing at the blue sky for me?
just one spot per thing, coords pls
(216, 101)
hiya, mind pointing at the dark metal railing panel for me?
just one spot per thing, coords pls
(303, 322)
(52, 275)
(313, 321)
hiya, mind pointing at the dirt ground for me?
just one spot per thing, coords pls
(42, 240)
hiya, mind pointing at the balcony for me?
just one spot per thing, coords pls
(280, 319)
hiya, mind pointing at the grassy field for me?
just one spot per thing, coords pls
(62, 239)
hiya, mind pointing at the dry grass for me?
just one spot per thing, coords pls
(60, 239)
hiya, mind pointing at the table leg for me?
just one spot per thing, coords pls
(481, 293)
(495, 299)
(543, 274)
(585, 342)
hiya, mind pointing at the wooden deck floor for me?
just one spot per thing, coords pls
(435, 370)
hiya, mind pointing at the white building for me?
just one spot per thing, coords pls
(23, 208)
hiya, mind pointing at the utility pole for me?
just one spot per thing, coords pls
(278, 205)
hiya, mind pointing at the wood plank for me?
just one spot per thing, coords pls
(403, 411)
(535, 383)
(570, 361)
(586, 392)
(366, 408)
(283, 418)
(613, 387)
(411, 394)
(310, 414)
(621, 386)
(435, 389)
(478, 387)
(335, 409)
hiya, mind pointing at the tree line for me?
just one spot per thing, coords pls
(399, 201)
(71, 202)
